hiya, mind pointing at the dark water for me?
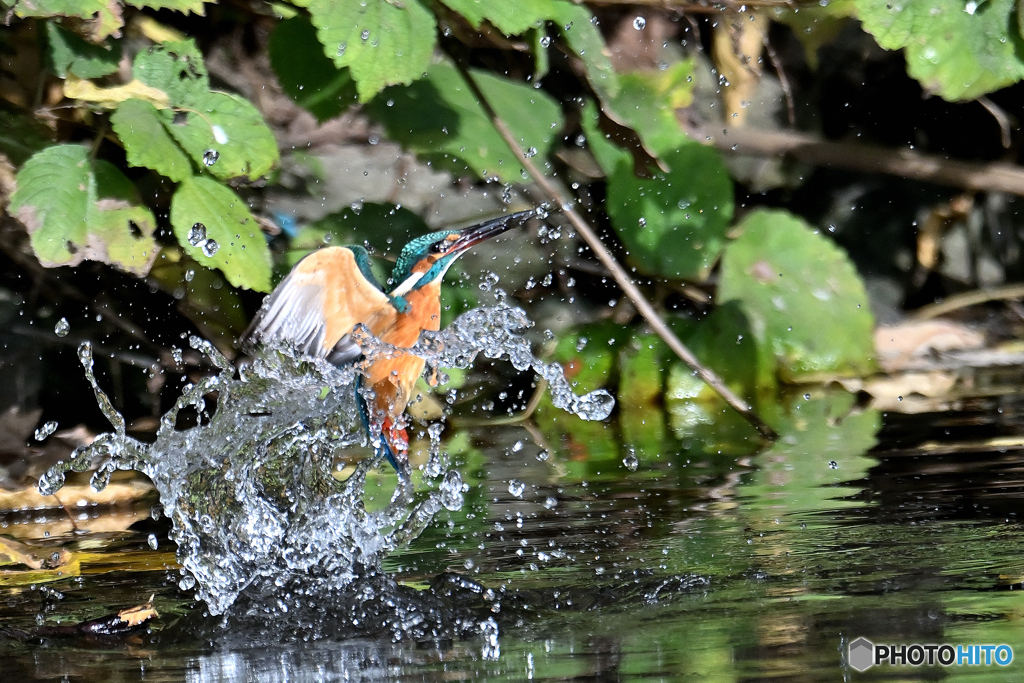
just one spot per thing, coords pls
(900, 529)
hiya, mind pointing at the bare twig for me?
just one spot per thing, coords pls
(1002, 118)
(958, 301)
(787, 89)
(905, 163)
(560, 199)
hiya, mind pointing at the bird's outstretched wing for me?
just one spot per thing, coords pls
(314, 309)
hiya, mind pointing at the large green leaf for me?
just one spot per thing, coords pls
(305, 72)
(75, 210)
(584, 38)
(958, 51)
(673, 224)
(439, 118)
(69, 53)
(805, 300)
(175, 68)
(511, 18)
(147, 142)
(383, 43)
(102, 17)
(215, 228)
(227, 135)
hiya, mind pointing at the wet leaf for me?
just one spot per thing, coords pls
(439, 118)
(102, 17)
(70, 53)
(382, 43)
(226, 135)
(109, 98)
(958, 52)
(648, 101)
(76, 210)
(805, 301)
(146, 141)
(183, 6)
(584, 38)
(511, 18)
(241, 251)
(673, 224)
(175, 68)
(306, 74)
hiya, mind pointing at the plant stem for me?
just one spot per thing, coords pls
(621, 277)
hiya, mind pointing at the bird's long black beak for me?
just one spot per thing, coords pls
(475, 234)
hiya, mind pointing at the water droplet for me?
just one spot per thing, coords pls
(210, 157)
(550, 503)
(62, 327)
(187, 582)
(639, 23)
(545, 41)
(210, 247)
(197, 235)
(341, 49)
(47, 429)
(642, 222)
(189, 274)
(516, 488)
(833, 465)
(451, 490)
(531, 152)
(631, 462)
(153, 543)
(365, 35)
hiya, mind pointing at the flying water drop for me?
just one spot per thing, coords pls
(639, 23)
(45, 431)
(210, 157)
(62, 327)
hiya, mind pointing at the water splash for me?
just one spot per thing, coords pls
(249, 490)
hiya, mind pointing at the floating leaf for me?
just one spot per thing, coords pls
(226, 134)
(146, 141)
(109, 98)
(673, 224)
(960, 52)
(805, 300)
(306, 74)
(69, 53)
(176, 69)
(439, 118)
(76, 210)
(238, 247)
(103, 17)
(383, 43)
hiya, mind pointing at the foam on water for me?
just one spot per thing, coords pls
(249, 490)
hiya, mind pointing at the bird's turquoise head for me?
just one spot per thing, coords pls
(426, 259)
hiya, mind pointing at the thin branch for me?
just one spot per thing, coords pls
(958, 301)
(1002, 119)
(787, 89)
(905, 163)
(560, 199)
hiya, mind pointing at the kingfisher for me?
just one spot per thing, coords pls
(331, 291)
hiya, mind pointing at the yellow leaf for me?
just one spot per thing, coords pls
(109, 98)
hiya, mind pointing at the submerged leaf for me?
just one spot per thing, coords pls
(804, 298)
(227, 237)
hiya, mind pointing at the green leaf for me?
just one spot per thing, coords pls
(21, 136)
(673, 224)
(511, 18)
(69, 53)
(439, 118)
(240, 252)
(958, 54)
(175, 68)
(102, 17)
(647, 103)
(805, 300)
(383, 43)
(76, 210)
(584, 38)
(226, 134)
(306, 74)
(147, 142)
(183, 6)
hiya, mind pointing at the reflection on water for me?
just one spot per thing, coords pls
(692, 567)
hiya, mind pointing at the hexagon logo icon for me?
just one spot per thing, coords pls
(861, 654)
